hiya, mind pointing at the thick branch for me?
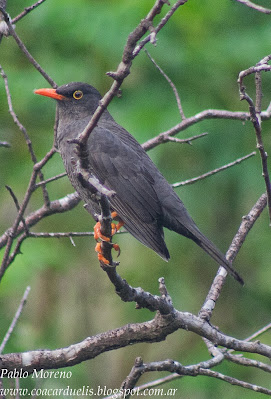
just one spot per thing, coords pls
(155, 330)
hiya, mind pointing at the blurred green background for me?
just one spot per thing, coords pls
(203, 48)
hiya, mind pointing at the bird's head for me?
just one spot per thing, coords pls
(74, 97)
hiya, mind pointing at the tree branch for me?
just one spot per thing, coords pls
(238, 240)
(58, 206)
(24, 49)
(255, 6)
(155, 330)
(206, 114)
(26, 11)
(24, 132)
(212, 172)
(255, 117)
(172, 85)
(15, 319)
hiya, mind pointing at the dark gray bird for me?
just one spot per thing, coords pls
(144, 200)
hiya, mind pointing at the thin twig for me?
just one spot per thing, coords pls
(58, 206)
(238, 240)
(203, 368)
(182, 141)
(255, 6)
(26, 11)
(14, 116)
(50, 179)
(152, 35)
(25, 134)
(206, 114)
(4, 144)
(255, 116)
(25, 51)
(259, 332)
(13, 231)
(16, 202)
(62, 234)
(234, 381)
(172, 85)
(212, 172)
(15, 319)
(244, 361)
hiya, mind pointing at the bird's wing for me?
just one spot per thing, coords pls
(121, 167)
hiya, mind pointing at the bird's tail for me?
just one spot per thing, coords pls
(217, 255)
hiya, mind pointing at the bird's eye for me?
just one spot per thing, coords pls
(78, 94)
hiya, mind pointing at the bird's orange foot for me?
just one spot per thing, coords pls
(99, 236)
(116, 227)
(101, 258)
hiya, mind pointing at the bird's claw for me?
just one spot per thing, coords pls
(101, 258)
(98, 236)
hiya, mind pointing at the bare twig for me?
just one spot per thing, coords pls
(202, 368)
(246, 225)
(151, 331)
(206, 114)
(152, 36)
(15, 319)
(182, 141)
(25, 134)
(13, 231)
(255, 6)
(234, 381)
(27, 10)
(18, 219)
(255, 116)
(25, 51)
(15, 200)
(58, 206)
(244, 361)
(50, 179)
(4, 144)
(172, 85)
(15, 118)
(212, 172)
(259, 332)
(62, 234)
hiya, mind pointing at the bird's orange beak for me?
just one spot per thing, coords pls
(50, 93)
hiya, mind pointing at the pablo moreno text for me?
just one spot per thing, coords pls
(20, 373)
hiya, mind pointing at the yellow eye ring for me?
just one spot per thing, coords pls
(78, 94)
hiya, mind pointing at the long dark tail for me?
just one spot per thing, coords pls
(217, 255)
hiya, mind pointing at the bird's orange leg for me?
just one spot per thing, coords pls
(116, 227)
(98, 235)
